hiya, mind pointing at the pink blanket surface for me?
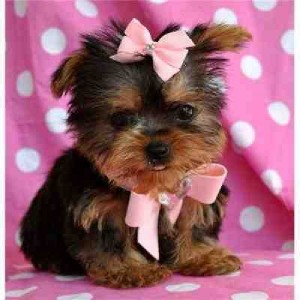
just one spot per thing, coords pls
(265, 275)
(258, 118)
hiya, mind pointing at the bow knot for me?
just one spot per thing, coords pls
(168, 53)
(149, 48)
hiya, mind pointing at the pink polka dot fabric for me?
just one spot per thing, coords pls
(266, 275)
(258, 118)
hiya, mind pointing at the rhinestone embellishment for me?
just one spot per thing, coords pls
(149, 48)
(164, 199)
(185, 185)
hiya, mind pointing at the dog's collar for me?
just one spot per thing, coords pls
(202, 184)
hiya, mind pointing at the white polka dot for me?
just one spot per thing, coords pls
(20, 293)
(255, 295)
(284, 280)
(158, 1)
(87, 8)
(286, 256)
(252, 219)
(23, 266)
(18, 238)
(81, 296)
(287, 41)
(234, 274)
(260, 262)
(279, 113)
(20, 7)
(242, 134)
(264, 5)
(27, 160)
(251, 67)
(182, 287)
(55, 120)
(226, 16)
(272, 180)
(68, 278)
(25, 84)
(24, 275)
(287, 246)
(53, 41)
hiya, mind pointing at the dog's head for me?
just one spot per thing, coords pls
(137, 129)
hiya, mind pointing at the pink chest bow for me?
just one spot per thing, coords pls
(202, 185)
(168, 53)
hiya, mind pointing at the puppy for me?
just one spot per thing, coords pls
(133, 130)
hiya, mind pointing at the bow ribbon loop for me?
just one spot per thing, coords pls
(202, 184)
(168, 53)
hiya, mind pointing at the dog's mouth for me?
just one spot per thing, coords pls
(155, 165)
(158, 167)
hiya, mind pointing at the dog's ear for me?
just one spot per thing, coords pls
(212, 38)
(63, 78)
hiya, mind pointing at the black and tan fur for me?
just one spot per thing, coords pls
(75, 223)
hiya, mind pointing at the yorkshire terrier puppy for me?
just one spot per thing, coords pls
(133, 129)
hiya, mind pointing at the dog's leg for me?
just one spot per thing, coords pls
(105, 246)
(198, 252)
(124, 272)
(207, 260)
(111, 261)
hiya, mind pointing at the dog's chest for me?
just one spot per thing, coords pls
(167, 236)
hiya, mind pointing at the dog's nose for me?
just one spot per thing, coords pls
(157, 151)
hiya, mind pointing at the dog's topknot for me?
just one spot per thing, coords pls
(210, 41)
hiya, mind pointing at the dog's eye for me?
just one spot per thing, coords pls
(184, 112)
(123, 119)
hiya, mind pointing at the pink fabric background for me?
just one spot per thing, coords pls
(259, 116)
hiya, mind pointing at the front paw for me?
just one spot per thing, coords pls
(216, 262)
(228, 264)
(130, 276)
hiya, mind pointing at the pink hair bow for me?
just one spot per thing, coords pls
(202, 185)
(168, 53)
